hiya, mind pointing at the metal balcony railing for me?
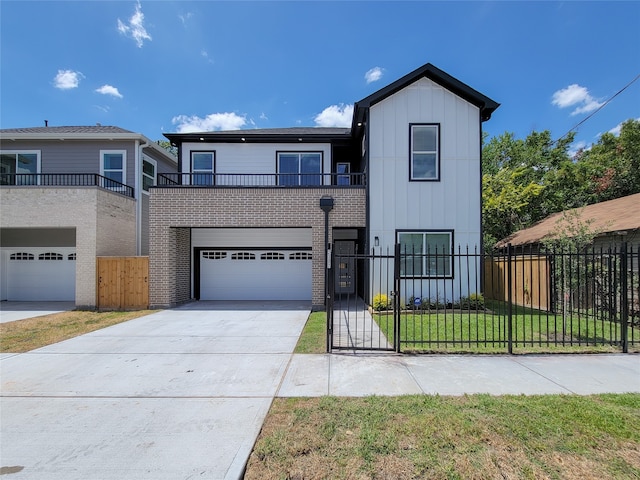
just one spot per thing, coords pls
(65, 180)
(261, 179)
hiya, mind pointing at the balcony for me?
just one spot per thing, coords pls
(250, 180)
(65, 180)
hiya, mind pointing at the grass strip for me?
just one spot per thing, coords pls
(31, 333)
(433, 437)
(314, 335)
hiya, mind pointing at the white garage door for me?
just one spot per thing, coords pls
(40, 274)
(253, 263)
(267, 274)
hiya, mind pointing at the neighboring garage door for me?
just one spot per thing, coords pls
(40, 274)
(252, 263)
(255, 275)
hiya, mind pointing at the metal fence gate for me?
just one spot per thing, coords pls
(464, 301)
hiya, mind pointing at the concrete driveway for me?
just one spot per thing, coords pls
(179, 394)
(12, 311)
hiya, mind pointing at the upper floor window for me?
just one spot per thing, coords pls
(343, 170)
(425, 152)
(202, 167)
(18, 168)
(113, 165)
(299, 168)
(426, 254)
(148, 174)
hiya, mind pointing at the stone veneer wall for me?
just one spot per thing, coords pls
(104, 222)
(173, 211)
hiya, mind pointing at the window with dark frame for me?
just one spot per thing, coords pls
(426, 254)
(202, 168)
(424, 152)
(299, 168)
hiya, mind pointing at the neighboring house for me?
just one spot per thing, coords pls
(69, 194)
(615, 221)
(244, 219)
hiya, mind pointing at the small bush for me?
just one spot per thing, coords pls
(475, 301)
(381, 302)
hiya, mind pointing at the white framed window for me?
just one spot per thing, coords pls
(19, 167)
(202, 168)
(424, 161)
(113, 165)
(426, 253)
(299, 168)
(149, 175)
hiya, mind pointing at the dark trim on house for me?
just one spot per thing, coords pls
(484, 103)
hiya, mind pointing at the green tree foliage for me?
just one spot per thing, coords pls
(526, 180)
(167, 146)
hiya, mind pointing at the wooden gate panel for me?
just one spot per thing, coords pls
(123, 282)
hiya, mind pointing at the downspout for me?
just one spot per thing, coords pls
(138, 194)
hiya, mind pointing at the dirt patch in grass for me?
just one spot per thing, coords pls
(28, 334)
(432, 437)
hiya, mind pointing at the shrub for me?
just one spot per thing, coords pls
(475, 301)
(381, 302)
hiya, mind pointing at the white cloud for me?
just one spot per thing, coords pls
(576, 147)
(210, 123)
(575, 95)
(184, 18)
(374, 74)
(67, 79)
(618, 128)
(109, 90)
(263, 116)
(135, 28)
(204, 54)
(335, 116)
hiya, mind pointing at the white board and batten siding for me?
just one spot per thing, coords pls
(453, 202)
(251, 158)
(254, 263)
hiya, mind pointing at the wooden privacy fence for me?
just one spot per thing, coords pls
(530, 280)
(123, 283)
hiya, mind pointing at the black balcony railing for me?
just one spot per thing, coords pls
(261, 179)
(65, 180)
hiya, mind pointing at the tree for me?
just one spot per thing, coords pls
(611, 168)
(167, 146)
(524, 181)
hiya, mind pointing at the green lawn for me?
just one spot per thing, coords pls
(314, 335)
(433, 437)
(487, 331)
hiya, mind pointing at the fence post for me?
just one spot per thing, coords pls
(330, 289)
(624, 300)
(396, 297)
(509, 299)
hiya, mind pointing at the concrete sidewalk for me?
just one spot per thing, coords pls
(361, 375)
(12, 311)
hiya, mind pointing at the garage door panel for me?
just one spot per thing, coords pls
(255, 275)
(40, 274)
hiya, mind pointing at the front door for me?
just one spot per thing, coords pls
(344, 269)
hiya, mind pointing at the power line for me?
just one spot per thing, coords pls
(598, 109)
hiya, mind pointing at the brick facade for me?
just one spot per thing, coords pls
(174, 211)
(104, 222)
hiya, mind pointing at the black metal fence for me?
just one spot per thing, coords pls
(65, 180)
(516, 302)
(260, 180)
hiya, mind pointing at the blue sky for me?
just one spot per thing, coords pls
(168, 66)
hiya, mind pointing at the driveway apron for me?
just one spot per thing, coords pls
(178, 394)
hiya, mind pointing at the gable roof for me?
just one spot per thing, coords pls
(621, 214)
(82, 132)
(486, 105)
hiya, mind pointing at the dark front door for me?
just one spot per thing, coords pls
(344, 269)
